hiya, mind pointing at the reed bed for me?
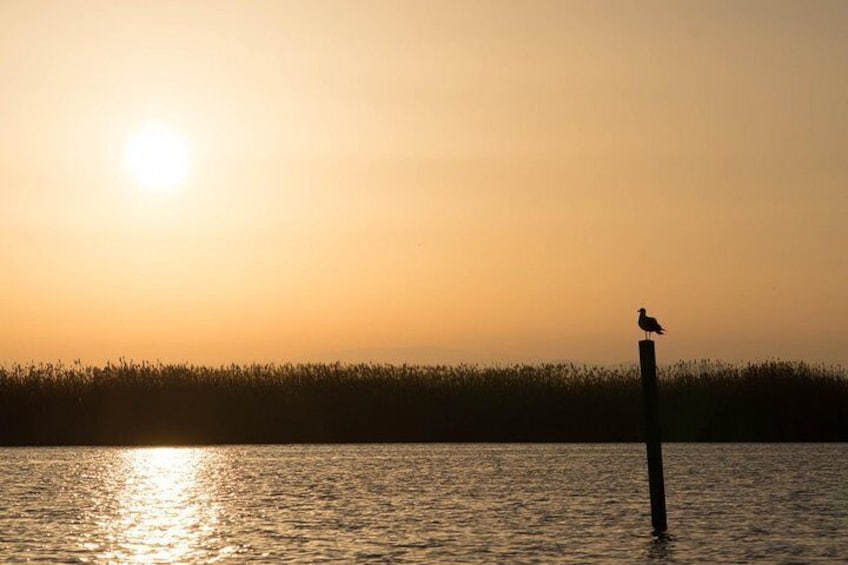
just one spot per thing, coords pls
(128, 403)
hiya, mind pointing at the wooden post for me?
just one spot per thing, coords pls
(648, 361)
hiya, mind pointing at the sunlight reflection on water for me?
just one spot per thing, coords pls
(164, 513)
(155, 505)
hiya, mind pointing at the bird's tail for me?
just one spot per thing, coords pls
(661, 331)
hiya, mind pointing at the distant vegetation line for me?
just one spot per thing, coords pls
(141, 403)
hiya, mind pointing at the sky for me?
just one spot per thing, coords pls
(426, 182)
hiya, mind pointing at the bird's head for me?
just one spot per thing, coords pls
(641, 310)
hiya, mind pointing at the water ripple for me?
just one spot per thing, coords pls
(421, 503)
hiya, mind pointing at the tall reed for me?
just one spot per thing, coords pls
(130, 403)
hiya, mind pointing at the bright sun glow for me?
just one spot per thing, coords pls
(157, 157)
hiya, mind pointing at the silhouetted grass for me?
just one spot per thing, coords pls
(132, 403)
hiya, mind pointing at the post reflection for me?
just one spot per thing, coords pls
(164, 511)
(661, 548)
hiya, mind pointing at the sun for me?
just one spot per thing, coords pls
(157, 157)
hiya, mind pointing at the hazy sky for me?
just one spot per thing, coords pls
(426, 181)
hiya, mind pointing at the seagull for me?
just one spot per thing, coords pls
(650, 325)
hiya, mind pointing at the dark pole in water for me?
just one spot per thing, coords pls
(648, 361)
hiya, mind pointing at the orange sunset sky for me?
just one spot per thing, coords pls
(423, 181)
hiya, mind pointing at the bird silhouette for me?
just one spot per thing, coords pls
(649, 325)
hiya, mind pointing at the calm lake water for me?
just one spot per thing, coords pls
(421, 503)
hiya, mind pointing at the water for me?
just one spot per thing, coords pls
(421, 503)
